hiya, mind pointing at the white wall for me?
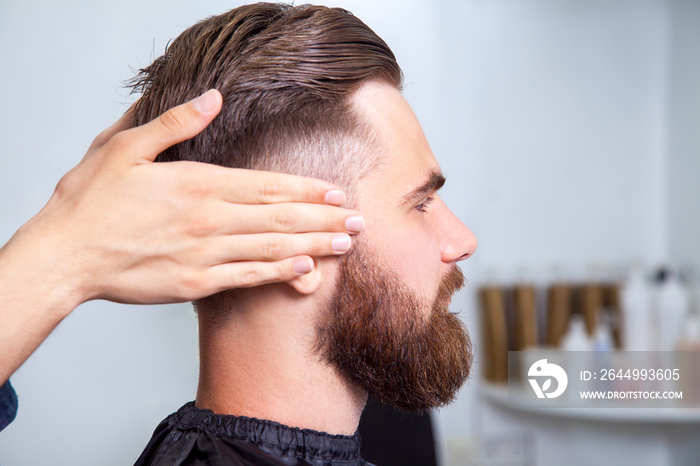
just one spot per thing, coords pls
(549, 118)
(684, 137)
(565, 123)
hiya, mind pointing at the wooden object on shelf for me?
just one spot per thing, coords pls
(611, 301)
(525, 317)
(494, 334)
(591, 304)
(558, 312)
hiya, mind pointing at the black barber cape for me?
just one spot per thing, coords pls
(8, 404)
(193, 436)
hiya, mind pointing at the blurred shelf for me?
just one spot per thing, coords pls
(498, 395)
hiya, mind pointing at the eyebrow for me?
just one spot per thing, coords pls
(435, 182)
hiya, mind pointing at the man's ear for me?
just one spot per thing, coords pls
(308, 283)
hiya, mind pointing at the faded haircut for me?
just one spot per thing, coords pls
(286, 74)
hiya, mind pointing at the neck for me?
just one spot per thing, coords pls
(260, 362)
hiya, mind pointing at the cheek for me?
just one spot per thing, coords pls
(414, 254)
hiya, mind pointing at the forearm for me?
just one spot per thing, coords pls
(36, 293)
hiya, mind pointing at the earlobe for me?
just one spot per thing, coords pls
(307, 284)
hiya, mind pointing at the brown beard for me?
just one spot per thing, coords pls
(383, 338)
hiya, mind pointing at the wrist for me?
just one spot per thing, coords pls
(37, 271)
(35, 297)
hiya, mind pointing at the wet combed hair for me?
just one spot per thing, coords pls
(286, 74)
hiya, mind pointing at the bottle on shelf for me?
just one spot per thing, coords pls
(603, 334)
(671, 307)
(576, 337)
(637, 320)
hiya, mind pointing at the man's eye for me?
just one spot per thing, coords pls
(423, 206)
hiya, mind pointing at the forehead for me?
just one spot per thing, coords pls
(407, 161)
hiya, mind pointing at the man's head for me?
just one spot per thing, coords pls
(387, 326)
(313, 91)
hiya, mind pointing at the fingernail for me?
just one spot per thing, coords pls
(206, 102)
(335, 197)
(303, 266)
(340, 243)
(355, 223)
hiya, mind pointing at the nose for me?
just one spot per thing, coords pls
(457, 242)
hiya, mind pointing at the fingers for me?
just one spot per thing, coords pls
(176, 125)
(292, 218)
(277, 246)
(263, 187)
(249, 274)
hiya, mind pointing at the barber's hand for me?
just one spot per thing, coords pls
(123, 228)
(130, 230)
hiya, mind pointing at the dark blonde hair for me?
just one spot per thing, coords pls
(286, 74)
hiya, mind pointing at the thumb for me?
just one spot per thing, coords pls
(176, 125)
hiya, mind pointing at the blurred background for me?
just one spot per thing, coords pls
(569, 134)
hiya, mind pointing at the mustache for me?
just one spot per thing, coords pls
(453, 282)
